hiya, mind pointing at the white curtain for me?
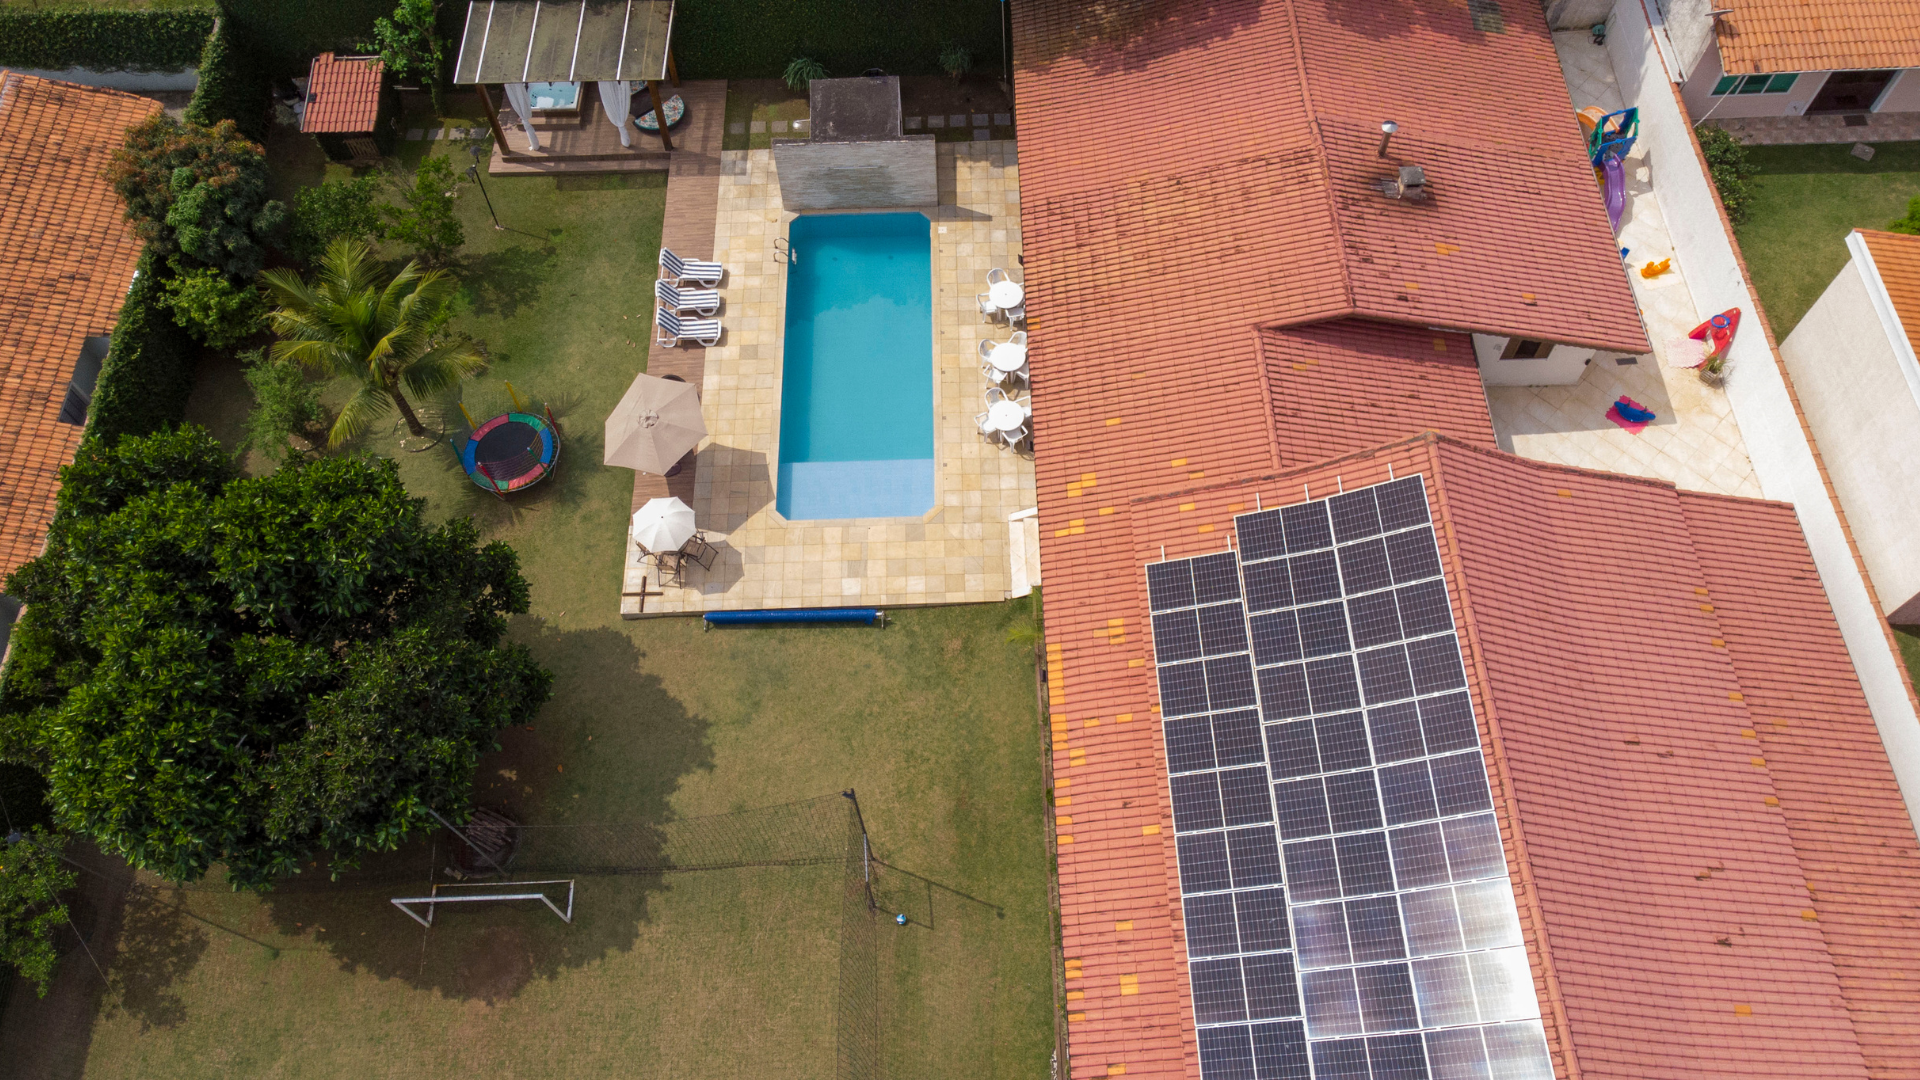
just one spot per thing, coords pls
(523, 108)
(617, 97)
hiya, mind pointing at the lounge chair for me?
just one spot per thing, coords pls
(685, 270)
(704, 301)
(674, 329)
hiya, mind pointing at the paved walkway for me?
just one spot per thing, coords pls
(1695, 442)
(1775, 130)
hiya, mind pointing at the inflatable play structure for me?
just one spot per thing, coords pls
(1610, 137)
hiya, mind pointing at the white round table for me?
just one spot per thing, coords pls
(1006, 416)
(1008, 356)
(1006, 294)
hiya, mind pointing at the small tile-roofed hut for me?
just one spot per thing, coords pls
(350, 107)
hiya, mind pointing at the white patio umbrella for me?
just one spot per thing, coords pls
(655, 424)
(663, 524)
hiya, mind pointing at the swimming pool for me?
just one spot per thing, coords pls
(856, 393)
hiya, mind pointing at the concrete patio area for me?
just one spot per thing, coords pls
(960, 551)
(1695, 441)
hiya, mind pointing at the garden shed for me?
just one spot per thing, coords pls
(350, 108)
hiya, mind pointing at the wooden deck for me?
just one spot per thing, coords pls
(587, 143)
(693, 200)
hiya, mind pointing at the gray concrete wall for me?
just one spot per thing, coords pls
(1867, 424)
(857, 175)
(1577, 14)
(130, 81)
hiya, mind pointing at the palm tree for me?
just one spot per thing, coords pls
(388, 332)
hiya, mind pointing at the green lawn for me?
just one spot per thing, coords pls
(1806, 200)
(654, 723)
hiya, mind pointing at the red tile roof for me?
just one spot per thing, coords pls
(1817, 35)
(70, 259)
(1896, 258)
(343, 94)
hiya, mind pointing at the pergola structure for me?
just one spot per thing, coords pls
(527, 41)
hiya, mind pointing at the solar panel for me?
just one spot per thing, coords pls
(1315, 576)
(1236, 738)
(1183, 689)
(1276, 637)
(1363, 567)
(1259, 535)
(1169, 585)
(1189, 744)
(1223, 629)
(1307, 527)
(1210, 927)
(1269, 586)
(1216, 578)
(1355, 516)
(1337, 864)
(1176, 637)
(1196, 802)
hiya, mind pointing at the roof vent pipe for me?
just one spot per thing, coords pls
(1387, 128)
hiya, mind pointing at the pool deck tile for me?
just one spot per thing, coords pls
(960, 551)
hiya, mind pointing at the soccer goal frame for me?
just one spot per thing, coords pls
(431, 901)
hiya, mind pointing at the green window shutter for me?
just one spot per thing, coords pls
(1780, 84)
(1726, 83)
(1752, 84)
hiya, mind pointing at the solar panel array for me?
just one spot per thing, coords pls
(1348, 912)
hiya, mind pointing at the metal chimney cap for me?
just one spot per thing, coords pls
(1388, 127)
(1412, 176)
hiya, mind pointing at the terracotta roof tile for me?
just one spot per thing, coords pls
(343, 94)
(1896, 257)
(71, 259)
(1821, 35)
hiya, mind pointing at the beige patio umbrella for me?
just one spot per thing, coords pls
(655, 424)
(662, 524)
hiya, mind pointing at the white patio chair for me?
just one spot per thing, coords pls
(683, 270)
(1017, 314)
(985, 431)
(987, 307)
(1019, 337)
(704, 301)
(1012, 438)
(995, 395)
(673, 329)
(996, 275)
(986, 348)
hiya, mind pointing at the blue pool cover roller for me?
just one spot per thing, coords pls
(864, 616)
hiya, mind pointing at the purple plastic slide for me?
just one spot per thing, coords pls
(1616, 178)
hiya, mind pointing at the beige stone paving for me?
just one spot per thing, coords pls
(959, 552)
(1695, 442)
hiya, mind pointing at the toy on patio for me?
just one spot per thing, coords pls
(1655, 269)
(1717, 334)
(674, 107)
(1630, 414)
(512, 451)
(1610, 138)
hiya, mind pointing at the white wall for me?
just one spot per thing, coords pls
(857, 175)
(1861, 407)
(1701, 103)
(1690, 29)
(1783, 459)
(1903, 95)
(1562, 366)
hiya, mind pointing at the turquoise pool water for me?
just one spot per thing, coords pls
(856, 392)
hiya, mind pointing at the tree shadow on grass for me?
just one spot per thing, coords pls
(158, 944)
(598, 766)
(501, 282)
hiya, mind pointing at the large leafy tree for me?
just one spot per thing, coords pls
(31, 881)
(408, 42)
(389, 331)
(197, 195)
(251, 671)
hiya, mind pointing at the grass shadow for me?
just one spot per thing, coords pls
(159, 944)
(504, 281)
(628, 744)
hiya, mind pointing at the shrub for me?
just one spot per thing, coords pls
(802, 70)
(234, 84)
(149, 369)
(337, 209)
(1910, 224)
(197, 193)
(1731, 169)
(143, 40)
(209, 306)
(754, 39)
(31, 881)
(285, 403)
(955, 60)
(410, 46)
(427, 222)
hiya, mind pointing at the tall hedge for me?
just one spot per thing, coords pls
(139, 40)
(234, 84)
(149, 370)
(746, 39)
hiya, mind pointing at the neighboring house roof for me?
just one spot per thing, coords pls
(1896, 258)
(343, 94)
(70, 259)
(1822, 35)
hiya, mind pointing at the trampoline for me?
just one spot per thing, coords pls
(510, 452)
